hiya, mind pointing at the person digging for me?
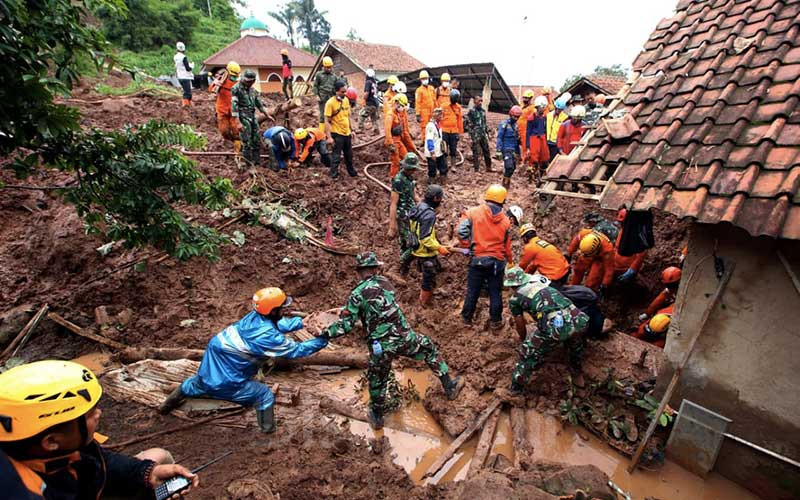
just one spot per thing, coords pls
(234, 356)
(388, 335)
(558, 322)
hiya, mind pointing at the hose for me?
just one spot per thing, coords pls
(381, 163)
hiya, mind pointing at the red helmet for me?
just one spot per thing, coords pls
(515, 111)
(671, 274)
(351, 93)
(621, 214)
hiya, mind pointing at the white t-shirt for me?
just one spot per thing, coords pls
(180, 68)
(434, 133)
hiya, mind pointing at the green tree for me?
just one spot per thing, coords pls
(352, 35)
(613, 70)
(125, 182)
(313, 25)
(220, 9)
(287, 17)
(152, 23)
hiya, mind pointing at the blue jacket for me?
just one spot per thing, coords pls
(537, 126)
(507, 136)
(276, 150)
(234, 355)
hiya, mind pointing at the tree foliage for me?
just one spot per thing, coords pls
(151, 24)
(125, 182)
(353, 35)
(301, 17)
(613, 70)
(287, 17)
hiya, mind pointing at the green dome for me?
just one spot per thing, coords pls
(252, 23)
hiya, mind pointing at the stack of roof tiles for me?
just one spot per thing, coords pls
(713, 125)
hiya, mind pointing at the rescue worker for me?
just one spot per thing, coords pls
(626, 267)
(557, 322)
(339, 135)
(403, 200)
(227, 125)
(443, 91)
(555, 119)
(352, 96)
(547, 93)
(387, 334)
(435, 147)
(508, 144)
(324, 88)
(49, 447)
(596, 257)
(595, 106)
(655, 329)
(306, 140)
(388, 96)
(183, 69)
(397, 136)
(486, 231)
(370, 103)
(424, 99)
(244, 102)
(594, 221)
(527, 111)
(422, 221)
(571, 131)
(536, 129)
(235, 355)
(479, 133)
(671, 278)
(542, 257)
(286, 74)
(281, 147)
(452, 125)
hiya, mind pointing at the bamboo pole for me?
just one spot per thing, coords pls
(24, 334)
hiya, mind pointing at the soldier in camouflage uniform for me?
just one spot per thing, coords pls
(403, 201)
(602, 225)
(479, 133)
(244, 101)
(558, 321)
(323, 87)
(387, 333)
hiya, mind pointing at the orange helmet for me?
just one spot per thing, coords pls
(267, 299)
(671, 274)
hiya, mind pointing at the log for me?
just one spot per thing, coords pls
(281, 108)
(484, 444)
(25, 333)
(85, 333)
(460, 440)
(519, 429)
(357, 412)
(340, 357)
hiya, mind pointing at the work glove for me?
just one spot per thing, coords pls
(642, 316)
(443, 250)
(627, 276)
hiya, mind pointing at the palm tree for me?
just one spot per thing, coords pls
(313, 25)
(287, 17)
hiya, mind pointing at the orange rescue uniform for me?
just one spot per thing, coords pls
(522, 128)
(403, 143)
(640, 332)
(600, 266)
(424, 102)
(387, 100)
(490, 233)
(623, 263)
(664, 298)
(302, 154)
(228, 125)
(452, 120)
(545, 258)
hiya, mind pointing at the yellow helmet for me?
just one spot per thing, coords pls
(401, 99)
(327, 62)
(233, 68)
(445, 77)
(496, 193)
(423, 74)
(284, 52)
(392, 79)
(659, 323)
(37, 396)
(528, 94)
(300, 134)
(590, 244)
(526, 228)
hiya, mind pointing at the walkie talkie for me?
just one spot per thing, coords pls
(180, 483)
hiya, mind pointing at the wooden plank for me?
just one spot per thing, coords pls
(340, 357)
(568, 194)
(484, 444)
(519, 432)
(85, 333)
(460, 440)
(25, 333)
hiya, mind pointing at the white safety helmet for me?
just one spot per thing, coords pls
(516, 211)
(540, 102)
(399, 88)
(577, 112)
(371, 73)
(539, 278)
(180, 46)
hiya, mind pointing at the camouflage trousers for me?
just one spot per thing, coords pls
(404, 239)
(251, 142)
(414, 346)
(536, 346)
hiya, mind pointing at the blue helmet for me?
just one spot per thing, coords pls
(561, 103)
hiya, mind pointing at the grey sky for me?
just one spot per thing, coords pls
(536, 51)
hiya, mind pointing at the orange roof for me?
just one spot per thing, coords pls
(382, 57)
(260, 52)
(714, 120)
(610, 83)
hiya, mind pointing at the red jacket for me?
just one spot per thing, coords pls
(568, 136)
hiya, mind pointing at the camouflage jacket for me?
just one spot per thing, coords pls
(372, 301)
(476, 122)
(404, 186)
(544, 303)
(244, 100)
(323, 85)
(608, 228)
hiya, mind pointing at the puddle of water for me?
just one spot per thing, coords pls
(503, 438)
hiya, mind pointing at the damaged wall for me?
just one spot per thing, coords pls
(745, 365)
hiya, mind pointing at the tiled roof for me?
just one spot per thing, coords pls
(382, 57)
(259, 51)
(537, 90)
(609, 83)
(715, 134)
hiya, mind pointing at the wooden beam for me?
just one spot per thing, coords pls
(24, 334)
(519, 433)
(484, 444)
(589, 182)
(582, 196)
(86, 333)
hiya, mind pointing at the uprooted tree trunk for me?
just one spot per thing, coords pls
(281, 109)
(340, 357)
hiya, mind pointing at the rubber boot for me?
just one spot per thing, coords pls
(173, 401)
(506, 182)
(266, 420)
(425, 298)
(375, 419)
(451, 386)
(496, 325)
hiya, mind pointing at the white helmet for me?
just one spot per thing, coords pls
(540, 102)
(399, 88)
(180, 46)
(516, 211)
(577, 112)
(371, 73)
(539, 278)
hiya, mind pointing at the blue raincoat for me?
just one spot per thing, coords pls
(280, 156)
(234, 356)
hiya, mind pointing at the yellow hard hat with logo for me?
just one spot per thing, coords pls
(590, 244)
(496, 193)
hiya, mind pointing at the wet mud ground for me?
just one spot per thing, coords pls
(46, 257)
